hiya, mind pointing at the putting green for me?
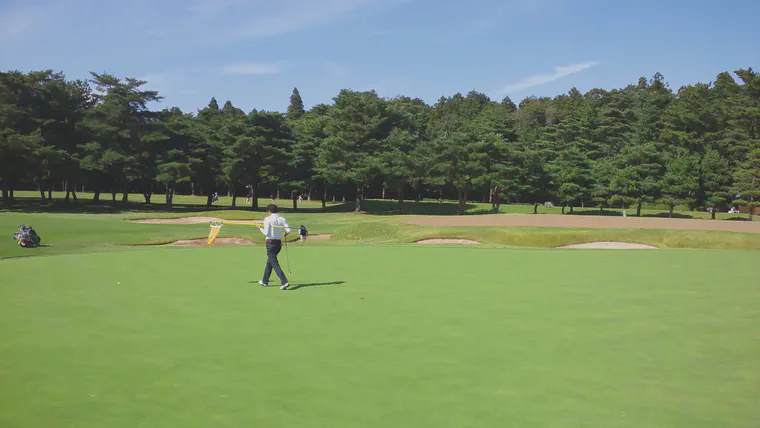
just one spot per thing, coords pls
(396, 336)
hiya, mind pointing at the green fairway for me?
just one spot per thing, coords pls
(396, 336)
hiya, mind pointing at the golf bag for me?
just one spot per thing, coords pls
(27, 237)
(302, 232)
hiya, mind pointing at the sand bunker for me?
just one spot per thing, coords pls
(318, 237)
(611, 246)
(448, 241)
(205, 220)
(220, 242)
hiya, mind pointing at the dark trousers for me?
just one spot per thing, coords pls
(273, 249)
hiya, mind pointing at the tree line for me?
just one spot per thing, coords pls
(698, 146)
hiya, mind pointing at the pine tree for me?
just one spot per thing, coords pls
(358, 125)
(308, 135)
(20, 134)
(680, 183)
(571, 177)
(636, 175)
(124, 132)
(206, 154)
(173, 161)
(747, 184)
(295, 109)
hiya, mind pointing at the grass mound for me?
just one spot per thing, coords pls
(375, 231)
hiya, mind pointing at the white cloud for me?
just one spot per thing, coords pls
(542, 79)
(254, 68)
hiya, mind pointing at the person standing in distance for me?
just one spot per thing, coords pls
(274, 236)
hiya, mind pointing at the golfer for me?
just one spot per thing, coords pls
(274, 236)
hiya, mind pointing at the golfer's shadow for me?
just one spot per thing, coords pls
(313, 284)
(316, 284)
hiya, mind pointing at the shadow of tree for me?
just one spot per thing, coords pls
(631, 213)
(384, 207)
(107, 206)
(88, 206)
(607, 213)
(666, 215)
(738, 219)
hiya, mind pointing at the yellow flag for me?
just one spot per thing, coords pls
(215, 229)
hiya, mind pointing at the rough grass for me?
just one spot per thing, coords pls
(77, 233)
(364, 232)
(547, 237)
(381, 337)
(553, 237)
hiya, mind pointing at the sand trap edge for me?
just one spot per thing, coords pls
(319, 237)
(609, 246)
(447, 241)
(201, 242)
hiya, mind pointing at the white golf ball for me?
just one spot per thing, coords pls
(118, 283)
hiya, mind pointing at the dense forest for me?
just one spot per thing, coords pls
(698, 147)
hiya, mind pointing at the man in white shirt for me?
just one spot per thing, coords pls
(273, 229)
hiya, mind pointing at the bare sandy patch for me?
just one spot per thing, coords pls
(448, 241)
(220, 242)
(319, 237)
(585, 221)
(611, 246)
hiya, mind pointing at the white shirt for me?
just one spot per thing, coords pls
(274, 232)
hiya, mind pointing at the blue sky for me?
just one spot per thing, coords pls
(254, 52)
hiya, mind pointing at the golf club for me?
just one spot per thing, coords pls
(287, 255)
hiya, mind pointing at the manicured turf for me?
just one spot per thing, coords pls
(418, 337)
